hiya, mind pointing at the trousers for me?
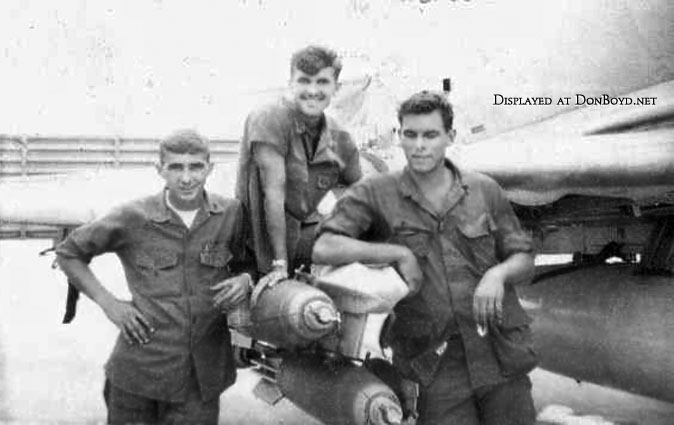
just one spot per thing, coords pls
(450, 399)
(127, 408)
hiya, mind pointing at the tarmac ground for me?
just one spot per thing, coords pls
(53, 373)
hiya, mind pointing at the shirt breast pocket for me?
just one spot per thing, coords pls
(157, 267)
(217, 256)
(417, 240)
(477, 235)
(153, 261)
(214, 261)
(327, 179)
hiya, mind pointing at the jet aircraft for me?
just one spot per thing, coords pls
(593, 179)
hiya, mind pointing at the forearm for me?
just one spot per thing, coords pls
(336, 250)
(81, 276)
(516, 269)
(276, 225)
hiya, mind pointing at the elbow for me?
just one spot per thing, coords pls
(65, 264)
(61, 262)
(319, 253)
(69, 266)
(529, 268)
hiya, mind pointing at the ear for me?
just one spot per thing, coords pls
(452, 136)
(159, 167)
(209, 169)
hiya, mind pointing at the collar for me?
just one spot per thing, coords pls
(409, 188)
(300, 121)
(326, 144)
(302, 126)
(160, 212)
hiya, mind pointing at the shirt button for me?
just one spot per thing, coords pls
(194, 320)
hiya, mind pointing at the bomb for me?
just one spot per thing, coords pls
(292, 314)
(338, 393)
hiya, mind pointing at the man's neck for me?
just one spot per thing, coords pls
(309, 120)
(182, 206)
(439, 178)
(313, 122)
(435, 187)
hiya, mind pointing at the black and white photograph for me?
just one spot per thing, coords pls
(337, 212)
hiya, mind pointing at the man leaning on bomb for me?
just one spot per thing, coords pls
(291, 155)
(453, 236)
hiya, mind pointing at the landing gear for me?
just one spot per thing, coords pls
(658, 256)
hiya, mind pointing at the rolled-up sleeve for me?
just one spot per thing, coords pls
(267, 126)
(352, 171)
(243, 256)
(95, 238)
(353, 214)
(510, 237)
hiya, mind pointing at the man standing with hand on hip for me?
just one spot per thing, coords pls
(183, 252)
(292, 154)
(461, 333)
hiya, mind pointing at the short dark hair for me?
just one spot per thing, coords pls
(184, 142)
(425, 102)
(312, 59)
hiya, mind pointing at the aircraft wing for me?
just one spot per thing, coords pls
(603, 151)
(537, 171)
(606, 165)
(597, 184)
(70, 200)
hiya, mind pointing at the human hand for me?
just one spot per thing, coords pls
(409, 269)
(231, 292)
(488, 299)
(276, 275)
(134, 326)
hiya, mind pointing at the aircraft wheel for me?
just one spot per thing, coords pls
(242, 357)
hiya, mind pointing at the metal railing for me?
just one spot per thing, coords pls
(40, 155)
(23, 156)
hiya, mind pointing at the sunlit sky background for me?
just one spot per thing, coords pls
(144, 68)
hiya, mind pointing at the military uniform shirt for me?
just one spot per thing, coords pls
(453, 249)
(169, 270)
(308, 177)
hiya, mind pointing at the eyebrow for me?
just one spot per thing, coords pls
(189, 164)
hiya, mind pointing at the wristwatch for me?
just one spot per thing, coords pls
(279, 263)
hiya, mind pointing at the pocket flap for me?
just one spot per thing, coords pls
(158, 259)
(416, 240)
(165, 259)
(215, 257)
(141, 259)
(419, 244)
(513, 314)
(482, 226)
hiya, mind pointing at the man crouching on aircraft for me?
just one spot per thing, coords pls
(454, 238)
(181, 250)
(292, 154)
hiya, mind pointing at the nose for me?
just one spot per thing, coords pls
(312, 88)
(419, 143)
(185, 176)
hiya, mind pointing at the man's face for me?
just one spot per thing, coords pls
(424, 141)
(185, 175)
(312, 93)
